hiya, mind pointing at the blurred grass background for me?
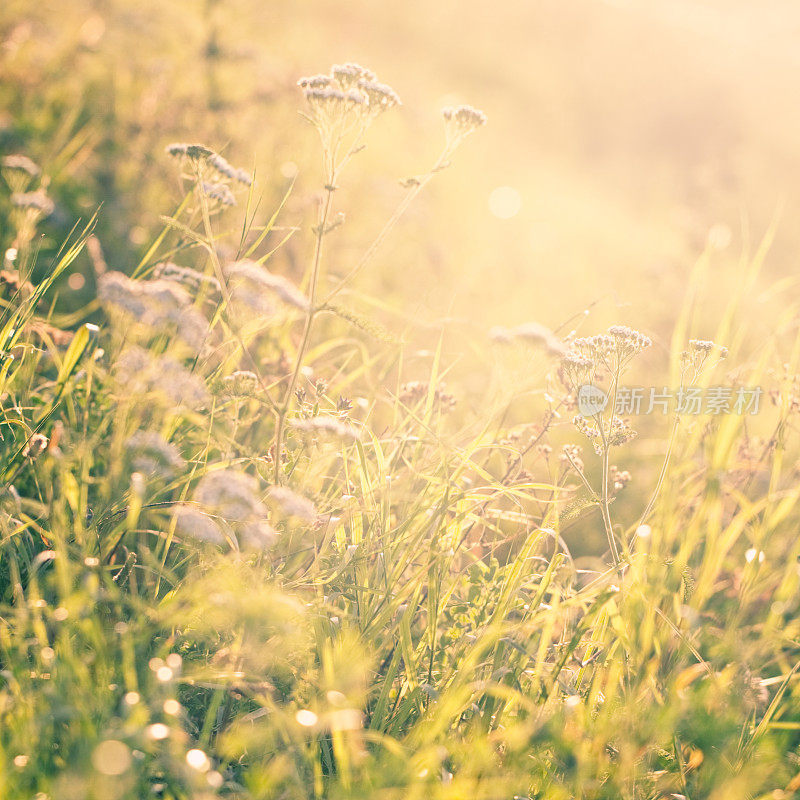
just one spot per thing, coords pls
(627, 142)
(624, 140)
(626, 132)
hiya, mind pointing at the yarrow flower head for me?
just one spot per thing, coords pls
(348, 75)
(227, 508)
(577, 369)
(37, 202)
(326, 425)
(698, 353)
(254, 288)
(220, 192)
(151, 454)
(612, 350)
(231, 494)
(293, 504)
(221, 166)
(460, 122)
(194, 152)
(414, 391)
(212, 172)
(380, 97)
(614, 432)
(345, 101)
(138, 373)
(161, 305)
(242, 383)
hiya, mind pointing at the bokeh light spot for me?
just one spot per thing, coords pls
(505, 202)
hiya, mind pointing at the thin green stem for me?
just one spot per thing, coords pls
(280, 425)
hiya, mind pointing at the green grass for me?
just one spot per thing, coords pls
(462, 614)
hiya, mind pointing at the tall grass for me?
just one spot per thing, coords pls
(250, 549)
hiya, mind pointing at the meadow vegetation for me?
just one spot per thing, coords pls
(263, 536)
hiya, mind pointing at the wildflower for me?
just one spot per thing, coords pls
(220, 165)
(416, 390)
(351, 93)
(329, 105)
(220, 192)
(186, 276)
(252, 287)
(131, 367)
(349, 75)
(614, 432)
(325, 424)
(612, 350)
(577, 369)
(316, 82)
(20, 163)
(183, 388)
(698, 353)
(199, 154)
(153, 455)
(241, 383)
(257, 535)
(36, 445)
(156, 304)
(571, 454)
(705, 346)
(231, 494)
(380, 97)
(628, 341)
(37, 201)
(194, 152)
(293, 504)
(619, 478)
(460, 122)
(138, 373)
(194, 524)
